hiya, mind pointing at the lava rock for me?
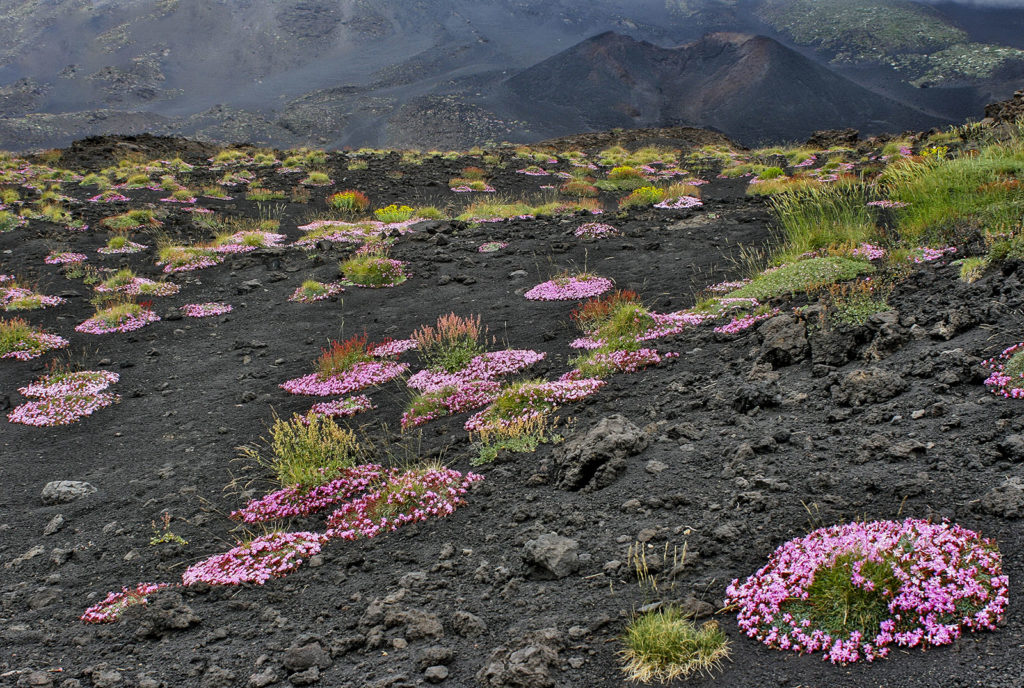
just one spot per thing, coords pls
(783, 341)
(596, 458)
(529, 666)
(302, 657)
(552, 556)
(468, 625)
(1006, 500)
(165, 613)
(65, 491)
(868, 386)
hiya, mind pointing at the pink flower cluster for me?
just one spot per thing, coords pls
(11, 294)
(887, 204)
(927, 254)
(142, 285)
(60, 410)
(737, 325)
(868, 251)
(393, 348)
(393, 269)
(34, 345)
(486, 366)
(329, 289)
(537, 400)
(205, 310)
(630, 361)
(359, 376)
(108, 197)
(236, 242)
(569, 289)
(257, 561)
(451, 399)
(999, 382)
(808, 162)
(536, 172)
(404, 497)
(129, 247)
(292, 502)
(197, 262)
(595, 230)
(467, 189)
(492, 246)
(726, 287)
(64, 257)
(63, 384)
(681, 203)
(343, 408)
(111, 608)
(947, 579)
(131, 321)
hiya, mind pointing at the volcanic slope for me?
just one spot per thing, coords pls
(752, 88)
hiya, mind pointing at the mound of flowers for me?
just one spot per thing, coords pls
(359, 376)
(64, 397)
(491, 246)
(1007, 378)
(121, 247)
(292, 502)
(312, 291)
(256, 561)
(569, 288)
(403, 497)
(595, 230)
(111, 608)
(395, 347)
(21, 341)
(853, 591)
(343, 408)
(745, 322)
(205, 310)
(680, 203)
(373, 270)
(523, 403)
(117, 319)
(187, 258)
(15, 298)
(64, 257)
(243, 242)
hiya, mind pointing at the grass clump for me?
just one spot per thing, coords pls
(802, 276)
(262, 194)
(306, 451)
(823, 217)
(450, 344)
(642, 197)
(971, 269)
(15, 333)
(341, 357)
(133, 219)
(665, 645)
(854, 302)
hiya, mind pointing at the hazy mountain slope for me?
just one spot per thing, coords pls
(750, 87)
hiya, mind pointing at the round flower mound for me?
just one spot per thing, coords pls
(35, 344)
(131, 321)
(569, 289)
(395, 347)
(630, 361)
(486, 366)
(127, 247)
(851, 591)
(64, 257)
(343, 408)
(595, 230)
(492, 246)
(64, 384)
(60, 410)
(311, 294)
(205, 310)
(403, 497)
(681, 203)
(111, 608)
(535, 400)
(737, 325)
(257, 561)
(359, 376)
(292, 502)
(1007, 378)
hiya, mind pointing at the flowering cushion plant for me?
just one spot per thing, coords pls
(292, 502)
(1007, 378)
(852, 591)
(205, 310)
(361, 375)
(111, 608)
(569, 288)
(257, 561)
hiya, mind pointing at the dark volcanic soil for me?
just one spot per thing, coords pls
(742, 443)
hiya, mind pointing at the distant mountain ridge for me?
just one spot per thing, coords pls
(752, 88)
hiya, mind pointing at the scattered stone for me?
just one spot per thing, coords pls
(165, 613)
(868, 386)
(55, 524)
(1012, 447)
(418, 624)
(305, 678)
(1006, 500)
(468, 625)
(783, 341)
(529, 666)
(299, 658)
(596, 458)
(436, 674)
(64, 491)
(654, 467)
(434, 655)
(552, 556)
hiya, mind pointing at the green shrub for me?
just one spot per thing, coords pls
(393, 213)
(823, 217)
(643, 197)
(450, 344)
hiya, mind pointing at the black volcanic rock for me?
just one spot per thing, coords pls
(752, 88)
